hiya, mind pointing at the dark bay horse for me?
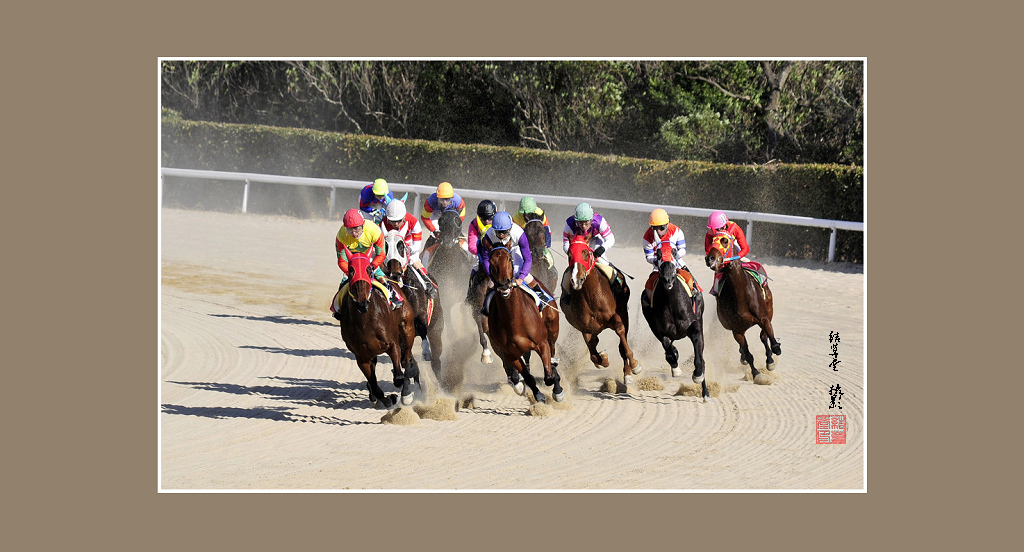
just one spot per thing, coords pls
(479, 285)
(517, 328)
(673, 315)
(543, 268)
(742, 302)
(590, 306)
(450, 262)
(429, 315)
(370, 327)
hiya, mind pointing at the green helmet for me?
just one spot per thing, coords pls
(584, 211)
(527, 205)
(380, 187)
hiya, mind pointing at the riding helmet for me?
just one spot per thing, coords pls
(502, 222)
(717, 220)
(486, 209)
(658, 217)
(527, 205)
(584, 212)
(380, 187)
(352, 218)
(444, 190)
(395, 210)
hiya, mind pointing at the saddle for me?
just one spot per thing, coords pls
(490, 295)
(689, 282)
(340, 296)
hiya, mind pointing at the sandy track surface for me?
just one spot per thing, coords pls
(257, 389)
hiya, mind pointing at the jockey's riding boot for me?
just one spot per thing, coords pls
(337, 316)
(545, 296)
(645, 298)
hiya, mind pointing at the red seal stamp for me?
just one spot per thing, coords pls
(830, 429)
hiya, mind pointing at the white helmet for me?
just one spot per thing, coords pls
(396, 210)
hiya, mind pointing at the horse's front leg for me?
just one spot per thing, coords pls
(671, 356)
(402, 357)
(377, 396)
(771, 345)
(551, 377)
(630, 366)
(745, 356)
(697, 338)
(600, 359)
(531, 382)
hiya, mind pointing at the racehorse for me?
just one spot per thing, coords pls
(742, 302)
(429, 315)
(370, 327)
(591, 306)
(479, 285)
(450, 261)
(672, 315)
(517, 328)
(543, 263)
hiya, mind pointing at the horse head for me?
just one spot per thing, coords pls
(502, 270)
(360, 278)
(721, 251)
(449, 226)
(535, 232)
(396, 256)
(581, 261)
(667, 268)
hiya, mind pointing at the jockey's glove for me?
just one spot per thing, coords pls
(599, 252)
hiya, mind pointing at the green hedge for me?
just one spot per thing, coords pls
(818, 191)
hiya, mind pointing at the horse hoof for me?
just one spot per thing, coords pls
(637, 369)
(519, 387)
(743, 361)
(555, 361)
(407, 399)
(777, 349)
(486, 357)
(559, 397)
(628, 379)
(770, 366)
(426, 352)
(540, 397)
(698, 379)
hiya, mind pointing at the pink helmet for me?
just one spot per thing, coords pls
(352, 218)
(717, 220)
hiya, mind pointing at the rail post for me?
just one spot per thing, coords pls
(832, 245)
(245, 197)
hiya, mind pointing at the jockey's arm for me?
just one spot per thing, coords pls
(342, 256)
(605, 232)
(472, 237)
(741, 240)
(378, 251)
(566, 238)
(524, 251)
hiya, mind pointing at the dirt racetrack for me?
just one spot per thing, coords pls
(257, 389)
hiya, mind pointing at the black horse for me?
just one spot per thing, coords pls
(543, 268)
(672, 315)
(450, 261)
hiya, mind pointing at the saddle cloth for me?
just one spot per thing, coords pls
(682, 275)
(338, 297)
(490, 295)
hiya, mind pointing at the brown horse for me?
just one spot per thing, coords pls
(543, 268)
(417, 289)
(370, 327)
(517, 328)
(479, 285)
(742, 302)
(591, 306)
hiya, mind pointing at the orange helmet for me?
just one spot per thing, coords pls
(658, 217)
(444, 190)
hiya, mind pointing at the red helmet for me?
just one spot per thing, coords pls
(352, 218)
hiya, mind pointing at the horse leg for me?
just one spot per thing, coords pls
(671, 356)
(377, 397)
(433, 340)
(745, 356)
(402, 356)
(551, 377)
(599, 359)
(697, 337)
(771, 345)
(513, 377)
(524, 370)
(630, 365)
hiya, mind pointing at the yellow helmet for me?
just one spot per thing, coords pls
(380, 187)
(658, 217)
(444, 190)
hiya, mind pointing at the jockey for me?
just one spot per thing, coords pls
(718, 222)
(479, 226)
(375, 198)
(444, 199)
(361, 236)
(662, 231)
(398, 219)
(594, 227)
(506, 233)
(528, 206)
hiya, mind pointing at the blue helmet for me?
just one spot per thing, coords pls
(502, 222)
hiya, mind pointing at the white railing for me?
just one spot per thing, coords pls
(500, 198)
